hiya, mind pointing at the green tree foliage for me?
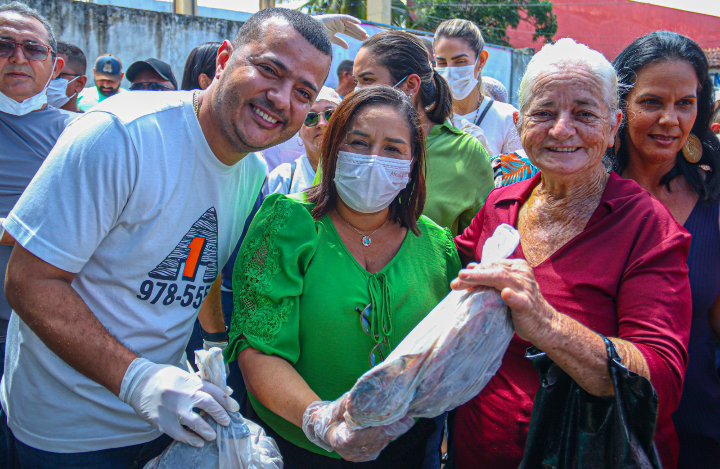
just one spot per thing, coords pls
(356, 8)
(493, 17)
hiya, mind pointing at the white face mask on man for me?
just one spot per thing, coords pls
(33, 103)
(57, 92)
(462, 80)
(369, 183)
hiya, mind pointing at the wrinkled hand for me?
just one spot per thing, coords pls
(475, 131)
(165, 395)
(325, 426)
(342, 24)
(533, 317)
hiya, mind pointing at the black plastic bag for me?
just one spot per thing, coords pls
(570, 428)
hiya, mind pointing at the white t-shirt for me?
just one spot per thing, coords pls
(279, 179)
(134, 202)
(498, 125)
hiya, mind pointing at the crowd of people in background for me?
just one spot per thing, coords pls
(306, 230)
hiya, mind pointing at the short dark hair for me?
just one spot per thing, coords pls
(656, 47)
(403, 54)
(312, 30)
(345, 66)
(26, 11)
(202, 59)
(75, 56)
(407, 207)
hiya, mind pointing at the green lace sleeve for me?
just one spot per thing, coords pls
(268, 279)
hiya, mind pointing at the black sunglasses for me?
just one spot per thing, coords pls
(312, 119)
(31, 50)
(150, 86)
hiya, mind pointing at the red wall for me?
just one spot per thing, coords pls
(611, 26)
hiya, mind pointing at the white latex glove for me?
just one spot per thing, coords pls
(165, 395)
(208, 344)
(342, 24)
(475, 131)
(325, 426)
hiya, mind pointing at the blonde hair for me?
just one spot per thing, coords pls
(461, 29)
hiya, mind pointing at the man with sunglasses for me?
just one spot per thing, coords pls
(151, 75)
(121, 236)
(28, 126)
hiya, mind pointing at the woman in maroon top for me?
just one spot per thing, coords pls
(598, 255)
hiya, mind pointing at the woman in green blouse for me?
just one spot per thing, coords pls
(458, 170)
(325, 287)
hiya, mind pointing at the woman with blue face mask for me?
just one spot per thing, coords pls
(459, 175)
(329, 281)
(460, 56)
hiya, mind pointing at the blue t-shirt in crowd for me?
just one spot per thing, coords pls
(26, 142)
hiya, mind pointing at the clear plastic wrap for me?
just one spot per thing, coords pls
(325, 426)
(446, 360)
(241, 445)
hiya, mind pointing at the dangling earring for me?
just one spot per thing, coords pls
(692, 150)
(300, 142)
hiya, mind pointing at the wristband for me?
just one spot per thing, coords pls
(215, 336)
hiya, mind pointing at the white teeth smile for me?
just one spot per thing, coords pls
(263, 115)
(563, 150)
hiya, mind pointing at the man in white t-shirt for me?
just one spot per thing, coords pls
(119, 238)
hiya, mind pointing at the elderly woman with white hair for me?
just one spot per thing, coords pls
(598, 257)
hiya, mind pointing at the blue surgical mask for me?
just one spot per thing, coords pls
(57, 92)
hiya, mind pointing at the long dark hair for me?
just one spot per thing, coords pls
(404, 54)
(407, 207)
(660, 46)
(201, 60)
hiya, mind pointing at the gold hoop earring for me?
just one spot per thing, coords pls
(692, 150)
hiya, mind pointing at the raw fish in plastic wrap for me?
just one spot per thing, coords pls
(446, 360)
(241, 445)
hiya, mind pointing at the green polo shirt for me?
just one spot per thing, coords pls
(90, 96)
(458, 175)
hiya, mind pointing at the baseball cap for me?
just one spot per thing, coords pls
(108, 67)
(162, 69)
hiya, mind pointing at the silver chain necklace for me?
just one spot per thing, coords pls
(366, 239)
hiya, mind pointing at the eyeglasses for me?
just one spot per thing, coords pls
(31, 50)
(150, 86)
(381, 349)
(313, 118)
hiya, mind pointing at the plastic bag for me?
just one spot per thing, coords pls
(241, 445)
(446, 360)
(570, 428)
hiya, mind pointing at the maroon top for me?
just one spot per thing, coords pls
(625, 275)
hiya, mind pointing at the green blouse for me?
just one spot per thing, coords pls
(296, 287)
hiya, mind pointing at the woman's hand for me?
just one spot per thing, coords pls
(325, 426)
(532, 316)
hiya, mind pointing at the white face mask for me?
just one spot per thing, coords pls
(462, 80)
(33, 103)
(57, 92)
(369, 183)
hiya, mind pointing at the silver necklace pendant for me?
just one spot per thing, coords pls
(366, 241)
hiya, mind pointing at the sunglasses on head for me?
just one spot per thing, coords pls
(31, 50)
(313, 118)
(149, 86)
